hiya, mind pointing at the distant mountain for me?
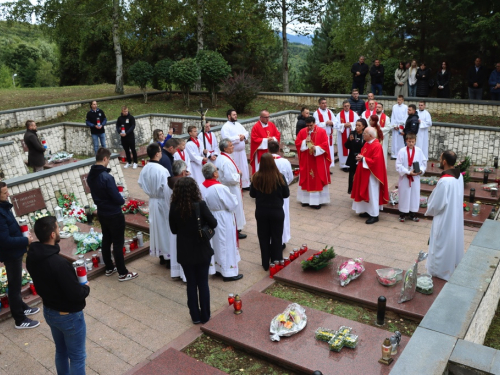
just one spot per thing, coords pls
(302, 39)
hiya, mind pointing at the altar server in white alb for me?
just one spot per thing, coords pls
(230, 175)
(424, 117)
(285, 169)
(346, 122)
(326, 119)
(211, 145)
(222, 203)
(153, 179)
(398, 120)
(446, 245)
(409, 180)
(237, 134)
(195, 151)
(182, 154)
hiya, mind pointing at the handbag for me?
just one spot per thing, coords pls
(204, 230)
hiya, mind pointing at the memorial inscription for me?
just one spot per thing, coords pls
(27, 202)
(86, 187)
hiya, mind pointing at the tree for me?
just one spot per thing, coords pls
(289, 12)
(141, 73)
(185, 73)
(162, 79)
(118, 50)
(240, 90)
(214, 68)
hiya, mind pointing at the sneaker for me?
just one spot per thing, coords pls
(128, 276)
(32, 311)
(415, 219)
(110, 272)
(134, 166)
(126, 165)
(28, 323)
(402, 219)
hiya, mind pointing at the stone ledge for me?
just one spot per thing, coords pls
(6, 143)
(488, 235)
(473, 356)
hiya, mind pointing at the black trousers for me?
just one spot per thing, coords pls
(14, 269)
(128, 143)
(113, 232)
(198, 292)
(270, 233)
(352, 171)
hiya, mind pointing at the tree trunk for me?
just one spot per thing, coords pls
(118, 51)
(200, 30)
(285, 46)
(145, 94)
(422, 30)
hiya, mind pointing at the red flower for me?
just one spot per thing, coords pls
(309, 259)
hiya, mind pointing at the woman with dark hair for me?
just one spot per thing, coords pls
(401, 80)
(193, 251)
(269, 188)
(354, 145)
(423, 80)
(159, 137)
(443, 81)
(301, 120)
(374, 124)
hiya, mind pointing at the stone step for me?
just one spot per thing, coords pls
(301, 353)
(365, 290)
(475, 176)
(481, 195)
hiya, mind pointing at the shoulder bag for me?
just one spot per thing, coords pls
(204, 230)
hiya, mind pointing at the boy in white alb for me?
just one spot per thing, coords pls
(181, 154)
(194, 149)
(398, 119)
(409, 181)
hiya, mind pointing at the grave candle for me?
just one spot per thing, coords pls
(95, 260)
(140, 241)
(494, 192)
(485, 178)
(88, 264)
(277, 267)
(296, 253)
(287, 261)
(272, 270)
(476, 209)
(88, 214)
(495, 162)
(386, 352)
(32, 288)
(23, 224)
(237, 305)
(5, 301)
(304, 247)
(472, 195)
(292, 256)
(432, 165)
(122, 130)
(81, 271)
(143, 162)
(230, 299)
(381, 310)
(127, 246)
(282, 264)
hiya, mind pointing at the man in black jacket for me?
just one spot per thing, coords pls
(127, 122)
(36, 159)
(412, 122)
(377, 75)
(168, 151)
(96, 119)
(357, 104)
(109, 210)
(62, 295)
(359, 71)
(476, 76)
(14, 245)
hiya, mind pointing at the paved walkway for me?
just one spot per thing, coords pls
(127, 322)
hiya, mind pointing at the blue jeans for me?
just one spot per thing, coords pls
(412, 90)
(68, 332)
(377, 89)
(198, 292)
(96, 138)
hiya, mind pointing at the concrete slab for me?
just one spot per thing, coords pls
(481, 195)
(427, 353)
(472, 355)
(364, 290)
(453, 310)
(475, 176)
(301, 352)
(488, 235)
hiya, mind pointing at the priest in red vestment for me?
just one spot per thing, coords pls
(314, 163)
(370, 190)
(262, 132)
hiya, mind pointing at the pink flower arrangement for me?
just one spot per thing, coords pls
(349, 270)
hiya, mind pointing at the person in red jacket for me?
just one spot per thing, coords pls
(262, 132)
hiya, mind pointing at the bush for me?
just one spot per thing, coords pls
(141, 73)
(240, 90)
(185, 73)
(162, 79)
(214, 68)
(5, 77)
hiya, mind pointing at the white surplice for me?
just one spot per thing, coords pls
(398, 117)
(153, 179)
(446, 245)
(329, 130)
(229, 176)
(187, 160)
(285, 169)
(196, 161)
(212, 145)
(232, 131)
(262, 146)
(386, 131)
(222, 204)
(341, 129)
(423, 131)
(409, 197)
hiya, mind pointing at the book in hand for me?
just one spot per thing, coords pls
(416, 167)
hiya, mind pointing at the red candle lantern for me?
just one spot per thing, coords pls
(432, 165)
(23, 224)
(230, 299)
(237, 305)
(287, 261)
(143, 162)
(95, 260)
(4, 301)
(272, 270)
(32, 288)
(277, 266)
(303, 248)
(124, 159)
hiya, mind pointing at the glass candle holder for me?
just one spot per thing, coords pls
(32, 288)
(476, 209)
(230, 299)
(272, 270)
(287, 261)
(5, 301)
(237, 305)
(472, 195)
(143, 162)
(494, 192)
(95, 260)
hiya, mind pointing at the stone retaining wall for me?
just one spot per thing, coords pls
(11, 161)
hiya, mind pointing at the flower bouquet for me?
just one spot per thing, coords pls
(288, 323)
(319, 260)
(491, 185)
(87, 241)
(343, 338)
(425, 284)
(4, 283)
(65, 201)
(132, 207)
(324, 334)
(463, 166)
(59, 157)
(389, 276)
(423, 202)
(483, 169)
(349, 270)
(38, 215)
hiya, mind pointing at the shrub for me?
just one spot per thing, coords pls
(141, 73)
(214, 68)
(162, 79)
(240, 90)
(185, 73)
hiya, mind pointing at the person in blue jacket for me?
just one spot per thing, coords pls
(96, 119)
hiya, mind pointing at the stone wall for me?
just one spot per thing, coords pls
(11, 161)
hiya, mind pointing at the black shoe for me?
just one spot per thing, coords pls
(167, 264)
(372, 219)
(234, 278)
(284, 246)
(305, 204)
(331, 172)
(242, 236)
(162, 260)
(316, 207)
(349, 191)
(218, 274)
(364, 214)
(246, 189)
(393, 158)
(345, 170)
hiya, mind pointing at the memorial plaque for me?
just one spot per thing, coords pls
(27, 202)
(177, 127)
(86, 187)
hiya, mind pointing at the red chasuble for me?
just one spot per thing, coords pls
(374, 157)
(314, 170)
(258, 134)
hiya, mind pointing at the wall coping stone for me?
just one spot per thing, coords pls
(6, 143)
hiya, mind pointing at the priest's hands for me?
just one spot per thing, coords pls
(308, 139)
(359, 157)
(415, 174)
(347, 125)
(242, 137)
(329, 123)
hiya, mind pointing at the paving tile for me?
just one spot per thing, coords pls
(488, 235)
(473, 355)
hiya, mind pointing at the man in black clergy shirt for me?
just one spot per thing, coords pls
(359, 71)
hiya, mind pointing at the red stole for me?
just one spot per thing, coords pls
(210, 182)
(344, 133)
(367, 105)
(447, 175)
(368, 113)
(321, 119)
(232, 161)
(410, 162)
(258, 134)
(382, 120)
(196, 142)
(208, 136)
(181, 153)
(276, 157)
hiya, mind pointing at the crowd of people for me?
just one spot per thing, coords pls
(417, 80)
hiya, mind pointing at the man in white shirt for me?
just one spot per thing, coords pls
(238, 135)
(346, 121)
(326, 119)
(424, 117)
(398, 120)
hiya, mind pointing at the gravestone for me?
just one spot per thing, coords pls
(27, 202)
(177, 127)
(86, 186)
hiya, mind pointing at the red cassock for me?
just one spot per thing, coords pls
(314, 170)
(374, 157)
(256, 137)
